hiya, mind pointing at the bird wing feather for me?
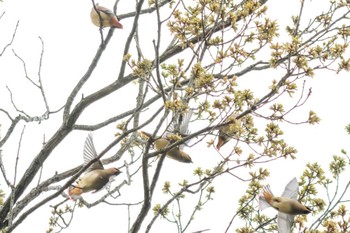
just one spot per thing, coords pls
(90, 154)
(291, 189)
(284, 222)
(185, 123)
(180, 126)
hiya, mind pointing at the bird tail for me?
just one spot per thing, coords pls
(265, 198)
(74, 191)
(184, 122)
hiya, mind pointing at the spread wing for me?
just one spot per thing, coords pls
(180, 126)
(291, 190)
(90, 154)
(285, 222)
(184, 121)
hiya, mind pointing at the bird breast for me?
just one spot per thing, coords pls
(93, 180)
(161, 143)
(174, 153)
(289, 206)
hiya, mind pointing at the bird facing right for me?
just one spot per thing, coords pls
(180, 127)
(96, 177)
(286, 205)
(104, 17)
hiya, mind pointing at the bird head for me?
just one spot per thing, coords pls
(185, 157)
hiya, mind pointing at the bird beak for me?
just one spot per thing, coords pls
(308, 210)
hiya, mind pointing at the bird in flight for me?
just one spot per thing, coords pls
(287, 205)
(179, 127)
(95, 177)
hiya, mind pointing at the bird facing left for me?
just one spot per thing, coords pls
(96, 177)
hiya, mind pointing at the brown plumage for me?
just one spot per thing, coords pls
(180, 127)
(108, 18)
(286, 205)
(96, 177)
(229, 131)
(175, 153)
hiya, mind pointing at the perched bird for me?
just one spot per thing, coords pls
(96, 177)
(180, 127)
(104, 17)
(228, 131)
(286, 205)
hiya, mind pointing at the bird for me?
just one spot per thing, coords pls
(287, 205)
(228, 131)
(180, 127)
(104, 17)
(96, 177)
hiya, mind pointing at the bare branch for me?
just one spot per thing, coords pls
(13, 37)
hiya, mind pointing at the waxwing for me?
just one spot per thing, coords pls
(229, 131)
(287, 205)
(96, 177)
(108, 18)
(180, 127)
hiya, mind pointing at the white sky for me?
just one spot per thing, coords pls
(70, 44)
